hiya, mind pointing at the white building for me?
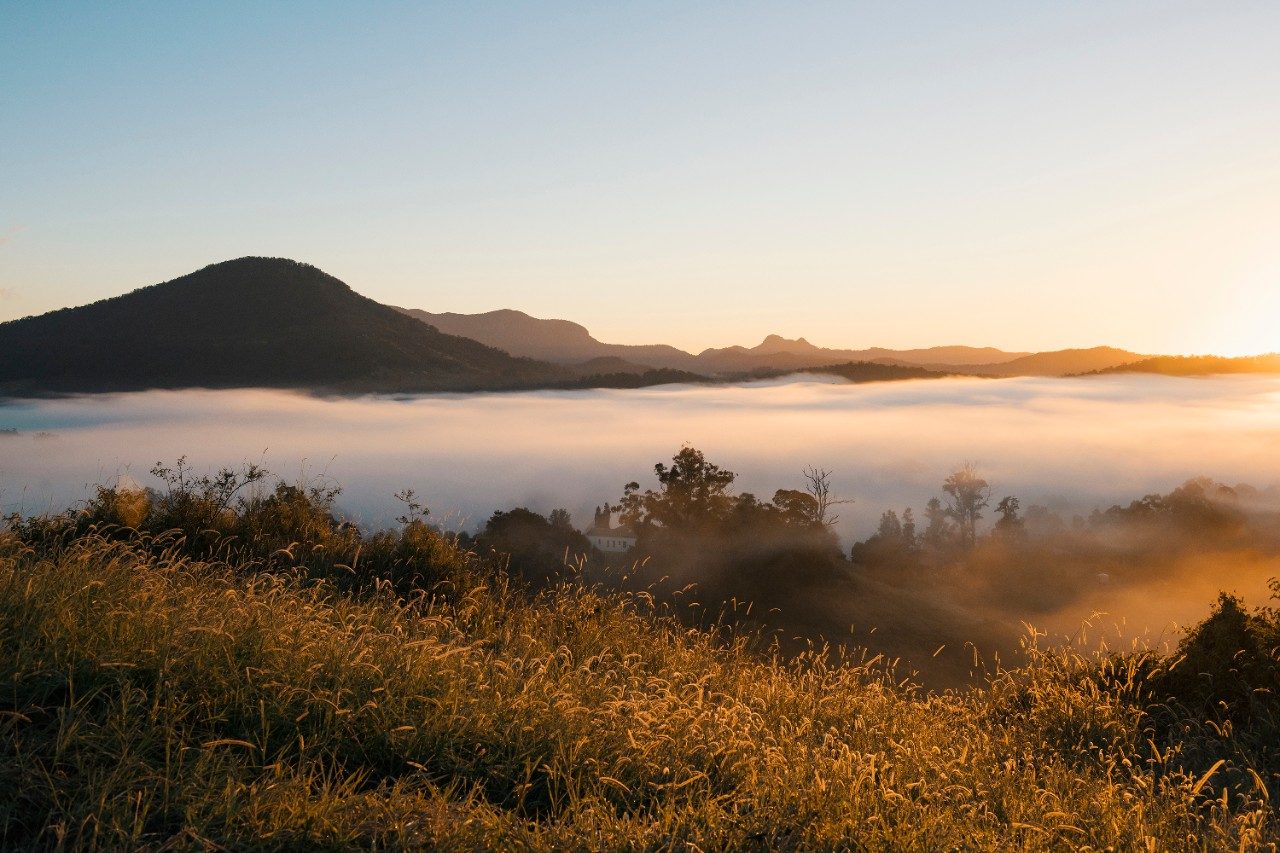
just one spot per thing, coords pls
(603, 536)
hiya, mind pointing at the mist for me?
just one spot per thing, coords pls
(1068, 444)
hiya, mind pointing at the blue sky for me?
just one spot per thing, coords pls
(1022, 175)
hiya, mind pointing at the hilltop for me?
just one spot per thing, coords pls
(266, 322)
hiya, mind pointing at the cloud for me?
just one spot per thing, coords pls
(1071, 444)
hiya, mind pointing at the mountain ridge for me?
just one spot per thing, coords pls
(274, 322)
(253, 321)
(558, 341)
(567, 342)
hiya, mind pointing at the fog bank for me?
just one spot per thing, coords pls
(1068, 443)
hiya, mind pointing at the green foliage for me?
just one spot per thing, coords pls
(734, 546)
(537, 548)
(1227, 667)
(691, 493)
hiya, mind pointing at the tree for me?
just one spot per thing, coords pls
(537, 547)
(1009, 525)
(967, 495)
(891, 546)
(890, 526)
(819, 488)
(909, 527)
(798, 508)
(691, 493)
(937, 529)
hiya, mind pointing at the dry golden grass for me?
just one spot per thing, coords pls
(152, 700)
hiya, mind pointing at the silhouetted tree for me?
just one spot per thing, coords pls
(892, 545)
(937, 531)
(909, 527)
(1009, 525)
(799, 508)
(818, 486)
(890, 527)
(538, 547)
(967, 495)
(692, 492)
(1042, 522)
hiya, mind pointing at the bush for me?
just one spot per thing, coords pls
(1227, 667)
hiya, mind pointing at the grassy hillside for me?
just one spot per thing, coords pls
(271, 679)
(262, 322)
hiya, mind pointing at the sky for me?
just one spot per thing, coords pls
(1028, 176)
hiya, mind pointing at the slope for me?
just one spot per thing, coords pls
(266, 322)
(557, 341)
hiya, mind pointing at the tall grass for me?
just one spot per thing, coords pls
(155, 694)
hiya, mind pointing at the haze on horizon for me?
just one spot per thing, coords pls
(862, 175)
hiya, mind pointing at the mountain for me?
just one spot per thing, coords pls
(1198, 365)
(265, 322)
(564, 342)
(799, 349)
(271, 322)
(1056, 363)
(778, 353)
(558, 341)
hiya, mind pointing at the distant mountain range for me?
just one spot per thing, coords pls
(563, 342)
(271, 322)
(558, 341)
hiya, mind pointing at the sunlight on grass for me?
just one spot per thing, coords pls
(152, 697)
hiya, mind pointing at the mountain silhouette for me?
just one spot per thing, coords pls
(1198, 365)
(272, 322)
(778, 353)
(559, 341)
(1055, 363)
(266, 322)
(566, 342)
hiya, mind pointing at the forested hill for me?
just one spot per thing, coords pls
(1198, 365)
(266, 322)
(872, 371)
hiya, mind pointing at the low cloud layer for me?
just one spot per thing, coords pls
(1071, 444)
